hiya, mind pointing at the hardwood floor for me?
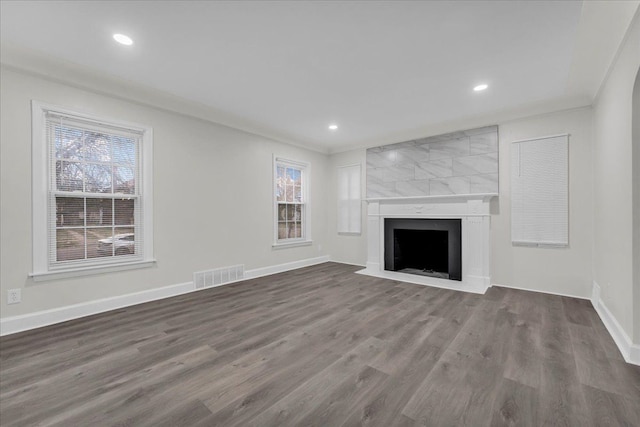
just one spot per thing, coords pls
(324, 346)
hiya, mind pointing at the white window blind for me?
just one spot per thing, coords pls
(349, 201)
(90, 194)
(540, 191)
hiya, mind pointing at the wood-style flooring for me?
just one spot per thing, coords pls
(326, 347)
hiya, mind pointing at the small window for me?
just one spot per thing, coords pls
(92, 192)
(291, 202)
(349, 200)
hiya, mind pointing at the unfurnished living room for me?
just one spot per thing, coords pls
(327, 213)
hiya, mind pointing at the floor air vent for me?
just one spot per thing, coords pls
(217, 277)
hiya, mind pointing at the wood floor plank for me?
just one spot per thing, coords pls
(608, 409)
(291, 409)
(324, 346)
(515, 405)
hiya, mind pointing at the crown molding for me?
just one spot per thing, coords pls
(74, 75)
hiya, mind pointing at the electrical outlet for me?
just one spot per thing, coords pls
(14, 296)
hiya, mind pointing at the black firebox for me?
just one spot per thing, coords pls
(427, 247)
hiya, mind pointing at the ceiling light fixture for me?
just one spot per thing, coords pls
(122, 39)
(480, 87)
(333, 127)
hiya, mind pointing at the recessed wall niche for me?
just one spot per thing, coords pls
(463, 162)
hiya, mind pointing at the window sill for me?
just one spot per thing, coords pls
(87, 271)
(283, 245)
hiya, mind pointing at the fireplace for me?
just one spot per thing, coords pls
(465, 219)
(425, 247)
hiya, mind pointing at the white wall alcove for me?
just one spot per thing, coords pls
(471, 209)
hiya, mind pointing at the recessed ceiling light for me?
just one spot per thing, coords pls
(122, 39)
(480, 87)
(333, 127)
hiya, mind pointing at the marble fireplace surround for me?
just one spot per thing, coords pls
(471, 209)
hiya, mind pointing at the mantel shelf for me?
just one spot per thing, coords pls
(446, 197)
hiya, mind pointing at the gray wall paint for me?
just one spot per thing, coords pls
(464, 162)
(613, 184)
(212, 197)
(563, 271)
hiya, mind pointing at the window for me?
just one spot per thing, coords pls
(540, 191)
(91, 194)
(349, 202)
(291, 194)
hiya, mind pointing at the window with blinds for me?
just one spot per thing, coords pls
(291, 185)
(349, 200)
(540, 191)
(94, 197)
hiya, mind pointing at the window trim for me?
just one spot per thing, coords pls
(305, 167)
(40, 168)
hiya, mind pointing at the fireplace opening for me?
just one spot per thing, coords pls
(426, 247)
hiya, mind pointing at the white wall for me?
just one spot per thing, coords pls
(350, 249)
(636, 207)
(613, 213)
(564, 271)
(555, 270)
(212, 197)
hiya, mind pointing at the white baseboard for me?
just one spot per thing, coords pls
(25, 322)
(337, 261)
(560, 294)
(474, 286)
(15, 324)
(280, 268)
(629, 350)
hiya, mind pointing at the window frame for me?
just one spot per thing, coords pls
(305, 169)
(42, 268)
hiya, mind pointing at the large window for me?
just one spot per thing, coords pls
(91, 194)
(291, 182)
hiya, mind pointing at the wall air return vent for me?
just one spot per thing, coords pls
(219, 276)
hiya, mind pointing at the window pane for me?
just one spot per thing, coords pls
(68, 142)
(124, 180)
(297, 193)
(69, 211)
(280, 184)
(298, 226)
(99, 211)
(97, 147)
(282, 230)
(124, 150)
(124, 241)
(69, 244)
(291, 212)
(69, 176)
(282, 212)
(97, 178)
(99, 242)
(294, 175)
(124, 210)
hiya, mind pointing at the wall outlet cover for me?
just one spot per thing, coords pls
(14, 296)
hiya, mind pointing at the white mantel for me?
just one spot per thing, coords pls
(472, 209)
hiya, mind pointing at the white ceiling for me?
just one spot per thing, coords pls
(384, 71)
